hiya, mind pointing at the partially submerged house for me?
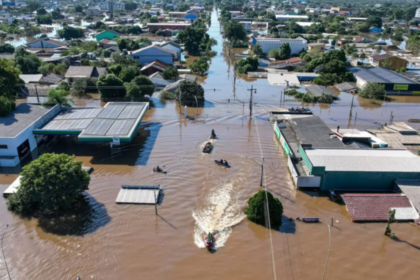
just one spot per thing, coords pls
(267, 44)
(84, 72)
(152, 53)
(107, 34)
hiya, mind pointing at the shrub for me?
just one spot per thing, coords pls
(167, 95)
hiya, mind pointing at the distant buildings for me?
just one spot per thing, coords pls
(375, 30)
(417, 13)
(84, 72)
(93, 11)
(112, 6)
(153, 27)
(267, 44)
(291, 17)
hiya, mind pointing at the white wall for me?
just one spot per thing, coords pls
(14, 143)
(296, 46)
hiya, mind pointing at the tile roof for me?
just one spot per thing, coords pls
(29, 78)
(157, 64)
(79, 72)
(373, 207)
(411, 188)
(51, 79)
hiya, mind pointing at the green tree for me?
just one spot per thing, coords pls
(191, 38)
(41, 11)
(60, 69)
(183, 7)
(58, 96)
(257, 206)
(153, 19)
(51, 184)
(257, 50)
(46, 68)
(413, 44)
(373, 91)
(170, 73)
(139, 87)
(69, 32)
(110, 86)
(78, 8)
(56, 14)
(33, 5)
(200, 65)
(127, 44)
(6, 105)
(374, 21)
(78, 87)
(284, 51)
(129, 73)
(27, 62)
(10, 83)
(44, 19)
(246, 65)
(391, 219)
(6, 48)
(191, 93)
(167, 95)
(234, 30)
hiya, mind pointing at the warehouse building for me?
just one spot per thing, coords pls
(360, 169)
(395, 84)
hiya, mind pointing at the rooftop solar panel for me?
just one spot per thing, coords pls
(111, 112)
(121, 127)
(131, 112)
(98, 127)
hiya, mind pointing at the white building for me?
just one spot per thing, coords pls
(267, 44)
(110, 5)
(17, 140)
(417, 13)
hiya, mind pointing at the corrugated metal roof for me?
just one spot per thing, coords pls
(380, 75)
(373, 207)
(365, 160)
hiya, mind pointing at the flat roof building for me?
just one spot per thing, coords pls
(16, 137)
(395, 83)
(360, 169)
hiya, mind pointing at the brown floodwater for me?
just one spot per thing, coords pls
(130, 242)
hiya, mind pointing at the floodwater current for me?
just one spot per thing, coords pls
(130, 242)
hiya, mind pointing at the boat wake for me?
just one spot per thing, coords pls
(219, 213)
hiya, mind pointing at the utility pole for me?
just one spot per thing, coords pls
(351, 106)
(250, 99)
(154, 193)
(391, 118)
(262, 172)
(36, 92)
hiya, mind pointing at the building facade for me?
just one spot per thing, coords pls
(149, 54)
(296, 45)
(112, 6)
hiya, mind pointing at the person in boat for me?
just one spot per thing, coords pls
(222, 161)
(213, 135)
(158, 169)
(226, 163)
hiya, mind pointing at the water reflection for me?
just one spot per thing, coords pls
(87, 217)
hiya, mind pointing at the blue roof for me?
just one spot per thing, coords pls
(190, 16)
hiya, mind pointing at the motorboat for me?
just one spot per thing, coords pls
(209, 240)
(159, 170)
(218, 162)
(207, 148)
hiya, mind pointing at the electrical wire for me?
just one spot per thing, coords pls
(2, 250)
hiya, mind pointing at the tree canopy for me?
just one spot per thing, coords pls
(51, 184)
(139, 87)
(127, 44)
(170, 73)
(110, 86)
(69, 32)
(200, 65)
(257, 206)
(373, 91)
(6, 48)
(191, 93)
(246, 65)
(27, 62)
(234, 30)
(191, 38)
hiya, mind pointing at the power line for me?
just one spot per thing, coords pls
(2, 250)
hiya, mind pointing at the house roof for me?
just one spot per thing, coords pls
(318, 90)
(60, 43)
(157, 75)
(380, 75)
(106, 41)
(173, 44)
(290, 60)
(51, 79)
(79, 72)
(365, 160)
(373, 207)
(29, 78)
(153, 46)
(411, 188)
(188, 77)
(346, 87)
(380, 56)
(156, 64)
(109, 31)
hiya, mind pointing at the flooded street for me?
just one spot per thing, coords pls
(131, 242)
